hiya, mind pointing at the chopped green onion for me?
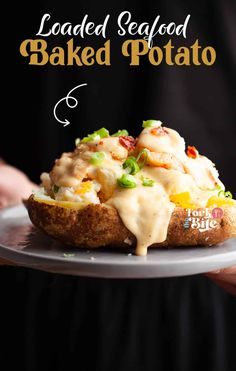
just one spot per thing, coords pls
(151, 123)
(217, 188)
(90, 138)
(131, 165)
(55, 188)
(103, 133)
(147, 182)
(141, 153)
(77, 141)
(98, 134)
(121, 133)
(221, 193)
(127, 181)
(68, 255)
(226, 194)
(97, 158)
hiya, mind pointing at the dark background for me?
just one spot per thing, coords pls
(51, 321)
(198, 101)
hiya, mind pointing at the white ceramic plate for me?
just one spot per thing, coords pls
(22, 244)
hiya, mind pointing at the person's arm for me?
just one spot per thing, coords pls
(14, 187)
(6, 262)
(225, 278)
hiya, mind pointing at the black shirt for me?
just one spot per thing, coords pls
(63, 322)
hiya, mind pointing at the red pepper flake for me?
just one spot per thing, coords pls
(209, 172)
(159, 131)
(128, 142)
(192, 152)
(165, 166)
(101, 142)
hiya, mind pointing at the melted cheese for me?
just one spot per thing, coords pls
(174, 182)
(148, 223)
(146, 211)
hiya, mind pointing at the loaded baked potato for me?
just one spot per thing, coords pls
(114, 190)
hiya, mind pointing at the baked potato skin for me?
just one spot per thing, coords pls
(99, 226)
(93, 226)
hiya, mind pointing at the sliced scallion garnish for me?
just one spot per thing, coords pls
(90, 138)
(147, 182)
(144, 153)
(151, 123)
(77, 141)
(121, 133)
(127, 181)
(97, 158)
(98, 134)
(226, 194)
(68, 255)
(103, 133)
(131, 165)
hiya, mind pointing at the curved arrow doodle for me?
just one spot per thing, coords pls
(71, 102)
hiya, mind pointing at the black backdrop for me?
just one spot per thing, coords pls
(51, 321)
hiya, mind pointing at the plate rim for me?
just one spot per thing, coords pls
(96, 268)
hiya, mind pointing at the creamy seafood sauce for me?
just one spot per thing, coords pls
(143, 179)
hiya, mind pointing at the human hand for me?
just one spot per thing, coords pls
(6, 262)
(14, 186)
(225, 278)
